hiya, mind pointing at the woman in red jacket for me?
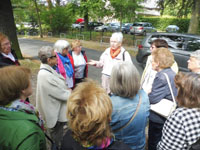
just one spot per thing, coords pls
(80, 61)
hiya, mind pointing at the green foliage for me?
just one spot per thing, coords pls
(125, 9)
(58, 19)
(162, 23)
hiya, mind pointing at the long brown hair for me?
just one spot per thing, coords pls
(13, 80)
(188, 85)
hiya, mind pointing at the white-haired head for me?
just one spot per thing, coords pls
(118, 36)
(60, 45)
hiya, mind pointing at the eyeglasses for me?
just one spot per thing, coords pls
(53, 57)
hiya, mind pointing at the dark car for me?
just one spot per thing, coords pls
(181, 45)
(92, 25)
(126, 28)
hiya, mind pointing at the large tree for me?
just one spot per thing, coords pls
(7, 24)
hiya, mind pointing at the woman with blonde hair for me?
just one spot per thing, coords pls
(162, 60)
(80, 61)
(182, 127)
(21, 127)
(89, 112)
(128, 101)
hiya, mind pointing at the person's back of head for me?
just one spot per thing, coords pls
(89, 110)
(14, 79)
(125, 80)
(188, 85)
(160, 43)
(164, 57)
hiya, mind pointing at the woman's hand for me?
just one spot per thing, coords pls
(92, 62)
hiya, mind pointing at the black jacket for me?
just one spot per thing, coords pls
(4, 61)
(69, 143)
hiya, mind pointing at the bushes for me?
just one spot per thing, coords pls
(58, 19)
(162, 23)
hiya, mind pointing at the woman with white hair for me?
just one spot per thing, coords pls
(111, 56)
(52, 94)
(130, 106)
(65, 62)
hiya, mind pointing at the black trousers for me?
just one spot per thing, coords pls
(155, 134)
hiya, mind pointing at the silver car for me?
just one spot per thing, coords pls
(142, 28)
(102, 28)
(172, 28)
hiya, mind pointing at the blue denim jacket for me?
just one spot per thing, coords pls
(160, 90)
(123, 109)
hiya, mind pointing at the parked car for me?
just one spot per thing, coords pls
(181, 45)
(142, 28)
(92, 25)
(78, 25)
(172, 28)
(126, 27)
(113, 27)
(102, 28)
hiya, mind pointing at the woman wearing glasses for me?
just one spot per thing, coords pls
(7, 55)
(80, 60)
(52, 94)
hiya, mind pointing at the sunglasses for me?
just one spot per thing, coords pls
(53, 56)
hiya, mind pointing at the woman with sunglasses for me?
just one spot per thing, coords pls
(52, 94)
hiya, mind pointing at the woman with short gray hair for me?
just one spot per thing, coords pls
(128, 101)
(111, 56)
(51, 94)
(65, 62)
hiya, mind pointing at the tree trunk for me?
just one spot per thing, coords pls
(7, 25)
(38, 16)
(194, 21)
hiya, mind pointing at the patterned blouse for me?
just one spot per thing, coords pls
(181, 129)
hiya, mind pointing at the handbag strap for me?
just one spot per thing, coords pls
(170, 88)
(117, 130)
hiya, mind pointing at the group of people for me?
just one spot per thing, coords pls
(114, 115)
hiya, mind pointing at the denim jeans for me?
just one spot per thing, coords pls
(155, 134)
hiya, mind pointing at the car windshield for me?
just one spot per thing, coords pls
(138, 24)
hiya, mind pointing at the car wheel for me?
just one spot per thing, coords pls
(104, 30)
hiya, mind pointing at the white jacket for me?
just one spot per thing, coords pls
(51, 95)
(107, 62)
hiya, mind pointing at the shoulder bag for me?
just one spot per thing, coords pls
(165, 107)
(134, 114)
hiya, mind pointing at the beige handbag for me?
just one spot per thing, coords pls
(165, 107)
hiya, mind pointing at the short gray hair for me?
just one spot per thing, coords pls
(44, 53)
(125, 80)
(60, 45)
(118, 36)
(196, 54)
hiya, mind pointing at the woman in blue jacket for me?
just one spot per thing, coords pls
(162, 60)
(126, 98)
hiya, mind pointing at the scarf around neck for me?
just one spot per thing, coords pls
(64, 62)
(115, 52)
(106, 143)
(26, 107)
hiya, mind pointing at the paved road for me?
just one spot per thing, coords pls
(30, 47)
